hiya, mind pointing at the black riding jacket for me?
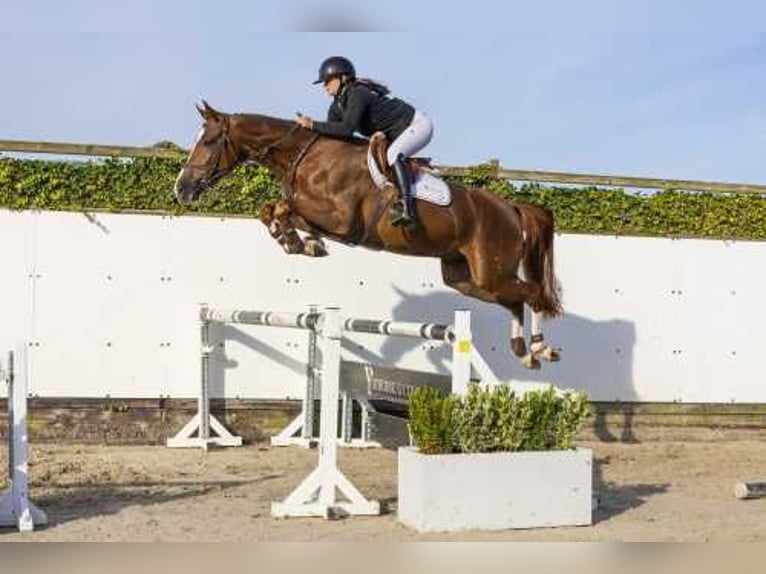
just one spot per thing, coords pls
(360, 109)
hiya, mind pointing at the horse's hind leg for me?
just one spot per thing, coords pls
(537, 345)
(456, 273)
(518, 345)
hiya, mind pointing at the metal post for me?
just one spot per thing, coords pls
(347, 415)
(203, 402)
(307, 432)
(11, 417)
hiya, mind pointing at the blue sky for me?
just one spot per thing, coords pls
(646, 88)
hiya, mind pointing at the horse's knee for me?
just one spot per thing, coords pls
(266, 214)
(282, 210)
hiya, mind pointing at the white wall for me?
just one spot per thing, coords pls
(109, 303)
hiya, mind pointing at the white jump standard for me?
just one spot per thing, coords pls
(202, 422)
(316, 495)
(15, 507)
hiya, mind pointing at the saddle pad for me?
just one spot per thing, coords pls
(427, 186)
(433, 189)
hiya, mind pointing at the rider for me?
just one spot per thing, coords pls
(364, 106)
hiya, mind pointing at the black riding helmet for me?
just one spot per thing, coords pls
(335, 66)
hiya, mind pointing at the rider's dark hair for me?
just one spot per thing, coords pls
(377, 87)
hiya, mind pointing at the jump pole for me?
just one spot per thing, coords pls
(15, 506)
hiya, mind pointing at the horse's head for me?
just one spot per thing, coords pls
(212, 156)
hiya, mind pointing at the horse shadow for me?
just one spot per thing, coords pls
(615, 499)
(597, 355)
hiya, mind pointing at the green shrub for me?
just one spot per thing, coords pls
(432, 423)
(492, 419)
(146, 184)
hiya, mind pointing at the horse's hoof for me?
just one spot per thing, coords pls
(518, 346)
(314, 248)
(530, 361)
(292, 244)
(275, 229)
(551, 355)
(545, 352)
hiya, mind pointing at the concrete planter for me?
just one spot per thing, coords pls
(494, 491)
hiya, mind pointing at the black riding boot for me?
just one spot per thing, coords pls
(403, 214)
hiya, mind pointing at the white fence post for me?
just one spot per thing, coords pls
(15, 507)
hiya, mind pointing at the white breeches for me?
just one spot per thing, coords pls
(413, 139)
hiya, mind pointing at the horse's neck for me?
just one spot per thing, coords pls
(259, 133)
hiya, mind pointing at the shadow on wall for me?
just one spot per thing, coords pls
(597, 356)
(221, 335)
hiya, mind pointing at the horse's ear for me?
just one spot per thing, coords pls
(207, 111)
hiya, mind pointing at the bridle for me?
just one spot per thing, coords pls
(258, 157)
(217, 173)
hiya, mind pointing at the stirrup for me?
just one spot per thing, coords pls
(399, 216)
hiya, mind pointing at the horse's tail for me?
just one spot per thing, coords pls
(537, 224)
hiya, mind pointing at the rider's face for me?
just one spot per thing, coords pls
(332, 86)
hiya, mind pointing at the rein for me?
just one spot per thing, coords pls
(287, 184)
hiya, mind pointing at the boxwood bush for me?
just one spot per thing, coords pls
(493, 419)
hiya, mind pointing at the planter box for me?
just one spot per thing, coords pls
(494, 491)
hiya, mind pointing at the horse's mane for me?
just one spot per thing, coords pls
(285, 123)
(261, 117)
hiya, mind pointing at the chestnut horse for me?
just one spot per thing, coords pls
(482, 240)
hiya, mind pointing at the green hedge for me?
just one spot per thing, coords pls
(495, 419)
(146, 185)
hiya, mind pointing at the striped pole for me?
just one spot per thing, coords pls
(267, 318)
(429, 331)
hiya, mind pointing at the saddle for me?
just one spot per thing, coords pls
(383, 174)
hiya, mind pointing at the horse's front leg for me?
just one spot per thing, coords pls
(276, 217)
(314, 245)
(282, 222)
